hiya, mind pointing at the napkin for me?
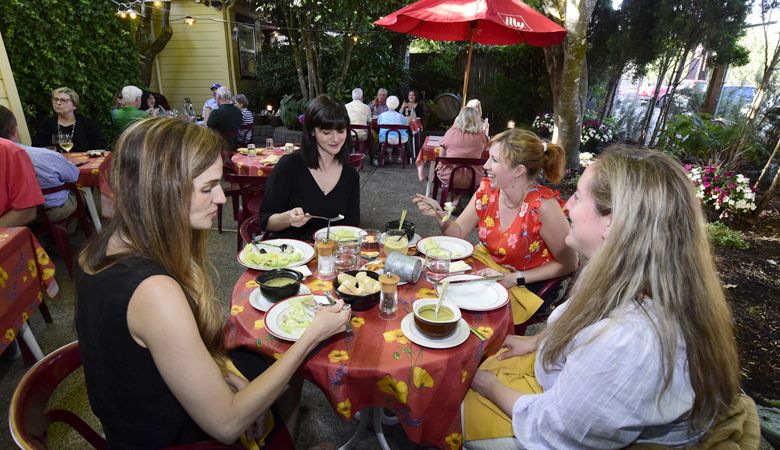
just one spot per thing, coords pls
(459, 266)
(270, 160)
(303, 270)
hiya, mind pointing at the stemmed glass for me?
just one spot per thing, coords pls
(65, 140)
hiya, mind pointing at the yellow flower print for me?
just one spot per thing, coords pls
(396, 388)
(534, 246)
(236, 310)
(489, 222)
(454, 441)
(3, 236)
(278, 356)
(9, 334)
(501, 251)
(24, 278)
(422, 378)
(395, 336)
(43, 258)
(40, 295)
(32, 268)
(25, 316)
(259, 325)
(425, 293)
(357, 322)
(544, 253)
(338, 355)
(484, 199)
(3, 277)
(47, 273)
(463, 376)
(485, 331)
(252, 284)
(320, 285)
(95, 171)
(345, 408)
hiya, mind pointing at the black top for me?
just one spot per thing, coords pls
(87, 136)
(125, 389)
(291, 185)
(226, 118)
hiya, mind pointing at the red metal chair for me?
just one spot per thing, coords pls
(356, 160)
(401, 146)
(231, 191)
(363, 146)
(550, 287)
(28, 418)
(249, 227)
(59, 230)
(251, 191)
(462, 165)
(246, 134)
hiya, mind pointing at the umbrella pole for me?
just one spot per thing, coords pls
(468, 69)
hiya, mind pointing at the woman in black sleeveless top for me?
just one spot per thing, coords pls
(149, 325)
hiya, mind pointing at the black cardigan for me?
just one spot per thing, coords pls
(88, 135)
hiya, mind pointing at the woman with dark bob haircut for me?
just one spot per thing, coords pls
(315, 180)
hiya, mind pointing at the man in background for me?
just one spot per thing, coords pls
(227, 118)
(359, 113)
(129, 112)
(378, 105)
(211, 104)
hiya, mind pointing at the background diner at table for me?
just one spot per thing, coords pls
(464, 139)
(147, 308)
(314, 180)
(66, 124)
(392, 117)
(130, 110)
(643, 351)
(521, 222)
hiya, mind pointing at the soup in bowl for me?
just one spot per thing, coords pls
(429, 324)
(278, 284)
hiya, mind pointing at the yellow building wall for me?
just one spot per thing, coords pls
(9, 97)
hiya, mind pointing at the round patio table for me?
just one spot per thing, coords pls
(377, 367)
(89, 179)
(261, 165)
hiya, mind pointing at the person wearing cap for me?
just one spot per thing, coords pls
(211, 104)
(392, 117)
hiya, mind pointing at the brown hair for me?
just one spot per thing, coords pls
(522, 147)
(152, 172)
(657, 249)
(7, 122)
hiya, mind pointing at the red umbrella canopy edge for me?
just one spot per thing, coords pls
(498, 22)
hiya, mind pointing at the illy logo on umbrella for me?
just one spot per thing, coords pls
(516, 22)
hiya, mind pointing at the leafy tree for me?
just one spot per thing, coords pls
(79, 44)
(149, 45)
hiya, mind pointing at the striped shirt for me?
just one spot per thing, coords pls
(245, 134)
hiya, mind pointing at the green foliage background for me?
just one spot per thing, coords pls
(80, 44)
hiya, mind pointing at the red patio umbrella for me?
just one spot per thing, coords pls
(490, 22)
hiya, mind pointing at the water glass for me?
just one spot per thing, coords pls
(369, 245)
(437, 265)
(347, 254)
(251, 150)
(269, 145)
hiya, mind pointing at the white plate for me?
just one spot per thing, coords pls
(477, 296)
(409, 330)
(262, 303)
(412, 243)
(355, 230)
(274, 315)
(306, 249)
(459, 248)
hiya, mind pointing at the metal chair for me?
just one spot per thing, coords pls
(556, 287)
(363, 146)
(461, 165)
(249, 227)
(401, 146)
(356, 160)
(251, 191)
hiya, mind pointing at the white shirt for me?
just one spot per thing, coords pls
(359, 114)
(604, 392)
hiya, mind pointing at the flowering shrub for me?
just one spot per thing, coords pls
(724, 191)
(543, 124)
(586, 159)
(595, 131)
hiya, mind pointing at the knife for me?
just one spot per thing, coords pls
(472, 280)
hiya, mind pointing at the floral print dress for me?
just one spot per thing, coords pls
(520, 246)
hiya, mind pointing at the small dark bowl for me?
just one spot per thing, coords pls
(408, 226)
(359, 302)
(276, 293)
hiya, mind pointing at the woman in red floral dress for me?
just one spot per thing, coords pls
(521, 222)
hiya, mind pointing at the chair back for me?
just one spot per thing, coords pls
(252, 189)
(395, 129)
(356, 160)
(463, 166)
(28, 418)
(249, 227)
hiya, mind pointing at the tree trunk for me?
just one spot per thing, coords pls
(311, 67)
(296, 49)
(612, 87)
(761, 205)
(662, 68)
(349, 45)
(714, 89)
(568, 76)
(669, 97)
(768, 164)
(148, 47)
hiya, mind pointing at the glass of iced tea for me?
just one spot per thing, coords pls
(369, 245)
(396, 241)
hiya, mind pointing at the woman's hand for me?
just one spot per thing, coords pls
(518, 346)
(329, 321)
(428, 206)
(509, 280)
(237, 383)
(482, 382)
(297, 217)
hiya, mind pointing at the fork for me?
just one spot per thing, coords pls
(332, 299)
(329, 219)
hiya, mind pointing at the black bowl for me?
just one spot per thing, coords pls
(276, 293)
(408, 226)
(359, 302)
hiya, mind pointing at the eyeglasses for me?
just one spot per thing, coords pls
(59, 100)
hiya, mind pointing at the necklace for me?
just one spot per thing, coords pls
(72, 130)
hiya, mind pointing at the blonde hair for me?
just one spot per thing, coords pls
(152, 172)
(74, 97)
(656, 248)
(522, 147)
(468, 121)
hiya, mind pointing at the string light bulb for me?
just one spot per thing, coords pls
(189, 20)
(122, 14)
(269, 108)
(157, 3)
(510, 124)
(133, 15)
(355, 38)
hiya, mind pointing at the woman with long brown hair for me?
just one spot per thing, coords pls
(148, 321)
(643, 351)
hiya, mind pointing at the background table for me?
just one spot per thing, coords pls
(25, 273)
(428, 154)
(378, 366)
(253, 165)
(89, 179)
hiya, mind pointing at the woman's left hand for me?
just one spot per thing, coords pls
(482, 382)
(509, 280)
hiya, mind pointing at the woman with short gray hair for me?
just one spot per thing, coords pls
(245, 134)
(83, 132)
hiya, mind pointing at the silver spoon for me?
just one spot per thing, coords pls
(283, 247)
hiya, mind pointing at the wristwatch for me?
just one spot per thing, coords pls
(520, 278)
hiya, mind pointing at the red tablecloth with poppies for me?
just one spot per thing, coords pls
(256, 165)
(25, 273)
(378, 366)
(89, 168)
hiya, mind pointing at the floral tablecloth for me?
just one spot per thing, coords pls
(261, 165)
(25, 273)
(378, 366)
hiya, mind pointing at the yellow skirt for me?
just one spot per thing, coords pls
(482, 419)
